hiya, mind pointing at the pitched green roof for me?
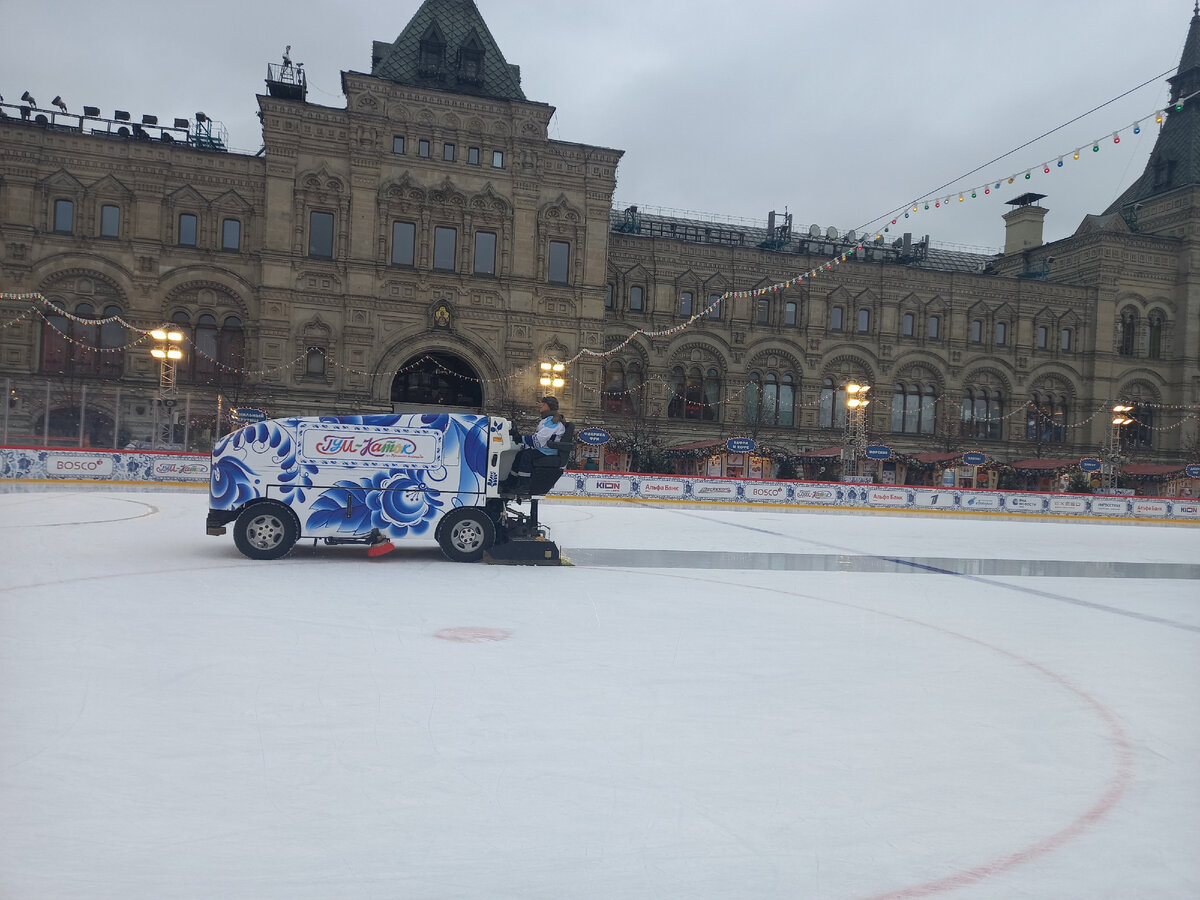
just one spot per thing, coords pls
(469, 61)
(1175, 160)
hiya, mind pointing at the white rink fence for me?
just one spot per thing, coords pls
(49, 465)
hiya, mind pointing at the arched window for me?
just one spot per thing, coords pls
(636, 298)
(864, 321)
(685, 303)
(976, 331)
(1154, 335)
(789, 313)
(771, 400)
(835, 318)
(832, 406)
(1046, 418)
(83, 344)
(694, 394)
(1129, 329)
(982, 413)
(1043, 337)
(909, 326)
(914, 408)
(935, 327)
(213, 353)
(621, 392)
(1140, 432)
(314, 362)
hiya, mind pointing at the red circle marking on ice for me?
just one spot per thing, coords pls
(472, 634)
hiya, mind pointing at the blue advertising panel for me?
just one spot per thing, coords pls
(1192, 471)
(247, 415)
(740, 445)
(879, 451)
(593, 436)
(1090, 464)
(974, 458)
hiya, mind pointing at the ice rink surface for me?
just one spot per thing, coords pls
(711, 703)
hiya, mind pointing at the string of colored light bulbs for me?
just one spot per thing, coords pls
(923, 203)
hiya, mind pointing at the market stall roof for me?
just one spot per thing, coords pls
(697, 445)
(1038, 465)
(1136, 469)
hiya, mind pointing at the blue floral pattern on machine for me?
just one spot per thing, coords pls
(412, 470)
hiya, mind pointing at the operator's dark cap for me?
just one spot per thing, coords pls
(551, 402)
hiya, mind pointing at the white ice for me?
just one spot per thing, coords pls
(177, 721)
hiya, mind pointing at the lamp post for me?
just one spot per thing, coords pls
(854, 443)
(552, 375)
(166, 350)
(1113, 458)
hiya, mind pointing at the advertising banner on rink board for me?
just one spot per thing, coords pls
(979, 500)
(668, 488)
(1110, 506)
(79, 465)
(765, 491)
(887, 497)
(934, 499)
(1068, 505)
(1148, 507)
(608, 485)
(1185, 509)
(705, 489)
(814, 493)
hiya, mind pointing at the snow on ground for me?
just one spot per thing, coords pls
(177, 721)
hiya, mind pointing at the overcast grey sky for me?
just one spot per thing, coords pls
(839, 111)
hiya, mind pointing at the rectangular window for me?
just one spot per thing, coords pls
(1001, 333)
(835, 319)
(231, 235)
(763, 313)
(560, 253)
(608, 296)
(1043, 337)
(636, 299)
(485, 253)
(685, 303)
(445, 247)
(497, 159)
(789, 313)
(448, 152)
(472, 156)
(909, 324)
(1064, 342)
(398, 145)
(110, 221)
(423, 149)
(864, 321)
(320, 235)
(187, 230)
(404, 235)
(935, 327)
(64, 216)
(714, 302)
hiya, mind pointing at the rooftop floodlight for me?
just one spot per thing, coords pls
(149, 120)
(91, 112)
(121, 115)
(58, 101)
(28, 98)
(181, 123)
(201, 118)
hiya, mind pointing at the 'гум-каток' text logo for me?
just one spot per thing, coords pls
(335, 446)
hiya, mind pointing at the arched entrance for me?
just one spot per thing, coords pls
(436, 380)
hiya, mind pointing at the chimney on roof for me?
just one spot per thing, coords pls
(1023, 224)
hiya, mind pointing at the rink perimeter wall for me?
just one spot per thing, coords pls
(54, 465)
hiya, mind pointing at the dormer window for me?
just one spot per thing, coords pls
(432, 53)
(470, 62)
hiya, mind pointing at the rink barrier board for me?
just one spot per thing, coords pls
(53, 465)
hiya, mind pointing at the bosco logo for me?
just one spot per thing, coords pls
(766, 492)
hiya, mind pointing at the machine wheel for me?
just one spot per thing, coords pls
(465, 534)
(266, 530)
